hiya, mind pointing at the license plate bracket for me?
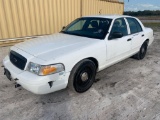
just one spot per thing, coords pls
(8, 74)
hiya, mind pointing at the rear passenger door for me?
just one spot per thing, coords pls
(136, 32)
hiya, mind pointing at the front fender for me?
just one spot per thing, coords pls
(96, 51)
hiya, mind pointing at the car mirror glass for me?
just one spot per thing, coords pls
(63, 27)
(116, 35)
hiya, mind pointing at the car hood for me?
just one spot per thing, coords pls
(53, 46)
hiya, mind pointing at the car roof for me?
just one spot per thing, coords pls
(108, 16)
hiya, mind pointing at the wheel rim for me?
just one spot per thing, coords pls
(143, 51)
(83, 78)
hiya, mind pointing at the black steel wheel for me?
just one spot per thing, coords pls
(142, 52)
(82, 76)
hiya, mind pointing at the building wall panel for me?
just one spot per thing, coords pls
(101, 7)
(0, 33)
(47, 16)
(42, 17)
(19, 19)
(32, 16)
(51, 18)
(3, 22)
(9, 18)
(27, 17)
(37, 17)
(15, 18)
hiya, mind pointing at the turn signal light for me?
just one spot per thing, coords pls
(48, 70)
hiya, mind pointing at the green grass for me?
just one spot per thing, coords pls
(149, 17)
(154, 26)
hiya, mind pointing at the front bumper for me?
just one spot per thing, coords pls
(34, 83)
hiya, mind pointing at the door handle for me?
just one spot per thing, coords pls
(129, 39)
(143, 35)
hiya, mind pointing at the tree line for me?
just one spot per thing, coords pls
(143, 13)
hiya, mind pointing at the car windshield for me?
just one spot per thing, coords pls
(89, 27)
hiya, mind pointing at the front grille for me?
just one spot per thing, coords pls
(18, 60)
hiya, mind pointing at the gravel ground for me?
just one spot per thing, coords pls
(129, 90)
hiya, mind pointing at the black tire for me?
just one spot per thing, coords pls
(142, 52)
(82, 76)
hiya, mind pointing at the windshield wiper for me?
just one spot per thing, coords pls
(63, 32)
(76, 34)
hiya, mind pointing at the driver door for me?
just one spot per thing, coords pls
(118, 48)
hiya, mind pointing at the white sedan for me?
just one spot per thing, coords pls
(74, 56)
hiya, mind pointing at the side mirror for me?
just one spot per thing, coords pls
(63, 27)
(116, 35)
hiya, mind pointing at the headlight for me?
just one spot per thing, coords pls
(45, 69)
(34, 68)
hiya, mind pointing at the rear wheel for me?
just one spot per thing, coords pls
(142, 52)
(82, 76)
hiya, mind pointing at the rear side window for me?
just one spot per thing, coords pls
(134, 25)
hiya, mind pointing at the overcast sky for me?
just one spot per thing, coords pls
(136, 5)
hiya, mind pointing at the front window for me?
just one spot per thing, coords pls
(89, 27)
(120, 26)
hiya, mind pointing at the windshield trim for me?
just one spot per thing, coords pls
(83, 35)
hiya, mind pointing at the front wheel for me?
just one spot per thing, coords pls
(82, 76)
(142, 52)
